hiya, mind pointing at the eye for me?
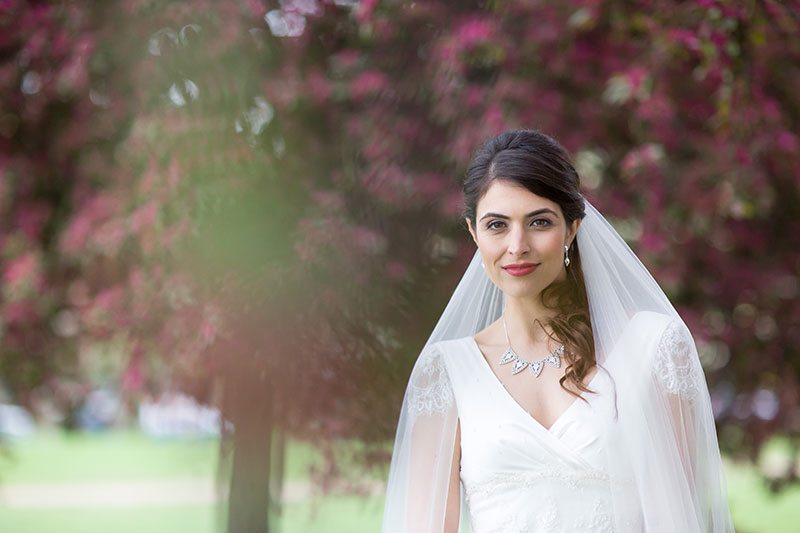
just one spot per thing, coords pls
(544, 221)
(493, 224)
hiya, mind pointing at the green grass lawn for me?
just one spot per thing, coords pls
(121, 455)
(55, 458)
(127, 455)
(335, 514)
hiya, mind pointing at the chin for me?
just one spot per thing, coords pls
(520, 291)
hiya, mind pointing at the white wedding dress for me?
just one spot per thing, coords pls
(519, 476)
(640, 456)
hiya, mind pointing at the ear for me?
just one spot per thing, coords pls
(573, 230)
(471, 231)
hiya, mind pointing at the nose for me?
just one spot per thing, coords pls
(517, 245)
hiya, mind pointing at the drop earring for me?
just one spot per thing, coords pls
(566, 256)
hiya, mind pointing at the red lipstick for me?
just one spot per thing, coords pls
(520, 269)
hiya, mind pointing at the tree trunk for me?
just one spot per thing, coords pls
(250, 398)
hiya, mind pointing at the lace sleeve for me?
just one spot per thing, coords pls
(422, 460)
(677, 366)
(429, 389)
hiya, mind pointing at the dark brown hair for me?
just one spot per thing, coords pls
(533, 160)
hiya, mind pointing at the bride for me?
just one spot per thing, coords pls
(560, 391)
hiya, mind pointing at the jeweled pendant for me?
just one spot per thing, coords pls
(519, 366)
(508, 356)
(537, 367)
(553, 360)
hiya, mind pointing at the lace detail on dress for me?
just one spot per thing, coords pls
(429, 389)
(676, 365)
(547, 520)
(521, 480)
(512, 524)
(600, 521)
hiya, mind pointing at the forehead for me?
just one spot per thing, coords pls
(508, 198)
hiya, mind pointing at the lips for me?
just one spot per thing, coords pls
(520, 269)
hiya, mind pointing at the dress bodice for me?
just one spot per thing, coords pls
(517, 474)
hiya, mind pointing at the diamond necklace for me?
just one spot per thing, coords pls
(552, 359)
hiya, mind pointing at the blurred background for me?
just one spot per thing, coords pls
(227, 227)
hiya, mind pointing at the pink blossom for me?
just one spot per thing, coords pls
(430, 185)
(494, 119)
(635, 77)
(304, 7)
(787, 141)
(474, 95)
(367, 239)
(368, 83)
(209, 325)
(318, 87)
(109, 236)
(23, 274)
(473, 31)
(388, 183)
(652, 242)
(108, 298)
(148, 181)
(364, 10)
(329, 200)
(19, 312)
(346, 59)
(74, 237)
(685, 37)
(257, 9)
(655, 108)
(720, 39)
(376, 149)
(743, 156)
(136, 279)
(396, 270)
(143, 217)
(174, 175)
(32, 218)
(452, 205)
(133, 375)
(133, 378)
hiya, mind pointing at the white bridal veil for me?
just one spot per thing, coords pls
(662, 451)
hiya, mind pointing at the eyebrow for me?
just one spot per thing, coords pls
(532, 213)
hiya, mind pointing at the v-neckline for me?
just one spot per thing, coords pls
(508, 394)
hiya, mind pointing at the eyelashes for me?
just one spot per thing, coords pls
(496, 225)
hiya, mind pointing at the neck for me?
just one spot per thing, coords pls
(520, 315)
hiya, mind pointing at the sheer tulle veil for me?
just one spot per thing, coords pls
(662, 452)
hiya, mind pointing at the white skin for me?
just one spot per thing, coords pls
(515, 236)
(521, 238)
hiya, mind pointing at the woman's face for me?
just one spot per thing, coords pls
(513, 226)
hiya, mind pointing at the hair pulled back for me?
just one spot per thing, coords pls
(537, 162)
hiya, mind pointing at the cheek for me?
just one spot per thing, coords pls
(490, 249)
(551, 245)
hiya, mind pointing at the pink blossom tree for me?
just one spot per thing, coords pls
(264, 198)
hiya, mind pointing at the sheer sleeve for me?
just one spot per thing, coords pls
(665, 439)
(420, 470)
(695, 472)
(676, 364)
